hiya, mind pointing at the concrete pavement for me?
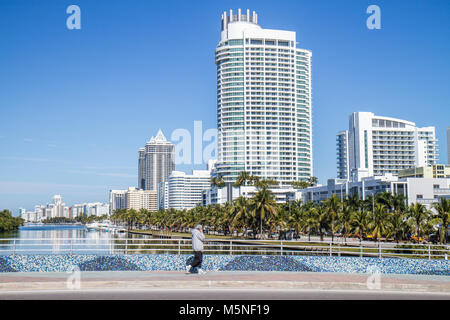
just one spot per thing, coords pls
(220, 294)
(219, 285)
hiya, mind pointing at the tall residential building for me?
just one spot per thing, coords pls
(185, 190)
(343, 165)
(117, 200)
(156, 162)
(59, 208)
(380, 145)
(163, 195)
(263, 101)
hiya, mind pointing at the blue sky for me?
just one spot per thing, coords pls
(75, 105)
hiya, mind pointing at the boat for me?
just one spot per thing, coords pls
(105, 226)
(92, 226)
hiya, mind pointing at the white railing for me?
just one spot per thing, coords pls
(220, 246)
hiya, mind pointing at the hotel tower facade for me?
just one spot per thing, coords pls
(264, 102)
(378, 145)
(155, 162)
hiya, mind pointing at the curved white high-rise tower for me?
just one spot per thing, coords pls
(263, 102)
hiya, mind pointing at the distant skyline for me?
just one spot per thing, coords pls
(76, 105)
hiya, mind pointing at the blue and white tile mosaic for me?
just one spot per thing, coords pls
(167, 262)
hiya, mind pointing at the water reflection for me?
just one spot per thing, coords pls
(57, 239)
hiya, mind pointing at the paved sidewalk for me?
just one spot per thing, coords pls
(129, 280)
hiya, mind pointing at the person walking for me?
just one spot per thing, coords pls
(197, 245)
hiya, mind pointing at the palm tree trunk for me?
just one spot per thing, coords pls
(260, 227)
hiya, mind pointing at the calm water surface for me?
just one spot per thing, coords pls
(59, 239)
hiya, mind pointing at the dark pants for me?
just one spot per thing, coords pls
(197, 262)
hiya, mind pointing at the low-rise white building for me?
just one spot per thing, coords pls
(421, 190)
(89, 209)
(133, 198)
(215, 195)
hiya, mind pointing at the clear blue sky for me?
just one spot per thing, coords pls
(75, 105)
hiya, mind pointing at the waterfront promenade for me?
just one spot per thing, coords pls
(220, 285)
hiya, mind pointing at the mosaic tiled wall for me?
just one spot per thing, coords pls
(165, 262)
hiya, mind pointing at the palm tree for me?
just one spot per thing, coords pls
(311, 222)
(296, 216)
(385, 198)
(243, 178)
(242, 215)
(300, 184)
(263, 204)
(312, 181)
(282, 220)
(443, 217)
(369, 203)
(380, 221)
(345, 219)
(131, 217)
(223, 219)
(419, 216)
(333, 205)
(360, 223)
(323, 219)
(354, 202)
(218, 181)
(141, 216)
(398, 203)
(398, 224)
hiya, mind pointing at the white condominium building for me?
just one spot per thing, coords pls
(381, 145)
(263, 101)
(185, 190)
(156, 162)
